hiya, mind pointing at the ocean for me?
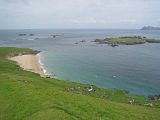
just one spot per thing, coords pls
(135, 68)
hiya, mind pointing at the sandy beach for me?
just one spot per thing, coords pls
(29, 62)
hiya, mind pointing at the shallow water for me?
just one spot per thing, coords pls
(135, 68)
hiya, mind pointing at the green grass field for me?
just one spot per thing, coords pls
(27, 96)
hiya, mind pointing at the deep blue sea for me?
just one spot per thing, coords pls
(135, 68)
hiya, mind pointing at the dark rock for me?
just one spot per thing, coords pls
(154, 97)
(36, 38)
(22, 34)
(152, 41)
(31, 34)
(55, 35)
(82, 41)
(17, 65)
(114, 44)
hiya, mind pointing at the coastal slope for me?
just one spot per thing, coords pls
(25, 95)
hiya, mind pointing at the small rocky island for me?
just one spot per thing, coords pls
(127, 40)
(150, 28)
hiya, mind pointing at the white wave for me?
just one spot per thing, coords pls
(31, 39)
(42, 65)
(43, 68)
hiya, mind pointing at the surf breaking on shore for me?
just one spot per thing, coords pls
(30, 62)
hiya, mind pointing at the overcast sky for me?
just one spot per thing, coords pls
(79, 13)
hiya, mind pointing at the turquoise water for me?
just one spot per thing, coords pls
(135, 68)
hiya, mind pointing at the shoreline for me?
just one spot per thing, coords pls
(30, 62)
(41, 65)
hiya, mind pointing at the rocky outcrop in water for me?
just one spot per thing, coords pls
(22, 34)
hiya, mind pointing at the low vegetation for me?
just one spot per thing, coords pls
(27, 96)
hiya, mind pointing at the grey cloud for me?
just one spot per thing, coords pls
(78, 13)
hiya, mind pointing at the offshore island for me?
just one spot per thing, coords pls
(24, 94)
(127, 40)
(150, 28)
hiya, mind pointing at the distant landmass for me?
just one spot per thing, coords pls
(150, 28)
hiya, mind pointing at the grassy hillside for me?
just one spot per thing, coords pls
(27, 96)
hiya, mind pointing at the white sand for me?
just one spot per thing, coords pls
(29, 62)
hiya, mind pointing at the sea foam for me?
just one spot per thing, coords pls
(42, 65)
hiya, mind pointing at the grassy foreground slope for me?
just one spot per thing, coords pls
(27, 96)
